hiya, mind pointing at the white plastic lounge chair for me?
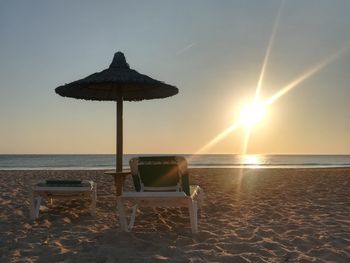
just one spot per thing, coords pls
(61, 189)
(160, 182)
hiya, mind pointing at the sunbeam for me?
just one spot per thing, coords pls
(246, 140)
(262, 72)
(268, 52)
(219, 137)
(306, 75)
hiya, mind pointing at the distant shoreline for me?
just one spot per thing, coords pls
(210, 161)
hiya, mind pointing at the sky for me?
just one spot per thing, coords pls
(213, 51)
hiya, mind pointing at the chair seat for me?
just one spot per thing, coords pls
(194, 190)
(61, 190)
(153, 194)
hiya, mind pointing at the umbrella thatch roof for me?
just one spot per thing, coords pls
(115, 82)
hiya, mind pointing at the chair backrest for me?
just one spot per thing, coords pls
(160, 173)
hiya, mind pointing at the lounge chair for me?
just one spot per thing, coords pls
(62, 189)
(160, 182)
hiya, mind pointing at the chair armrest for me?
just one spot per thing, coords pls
(195, 190)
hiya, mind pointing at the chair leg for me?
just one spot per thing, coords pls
(122, 216)
(192, 208)
(132, 217)
(32, 206)
(195, 208)
(200, 198)
(93, 201)
(200, 202)
(36, 206)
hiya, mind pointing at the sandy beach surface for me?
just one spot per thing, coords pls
(271, 215)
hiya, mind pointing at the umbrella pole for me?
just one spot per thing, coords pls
(119, 138)
(119, 141)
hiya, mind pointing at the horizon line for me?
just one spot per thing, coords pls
(175, 154)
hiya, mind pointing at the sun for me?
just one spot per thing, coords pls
(252, 113)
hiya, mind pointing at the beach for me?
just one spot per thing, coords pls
(251, 215)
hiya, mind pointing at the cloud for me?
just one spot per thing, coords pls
(186, 48)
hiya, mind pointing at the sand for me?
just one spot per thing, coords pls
(271, 215)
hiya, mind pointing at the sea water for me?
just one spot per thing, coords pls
(107, 161)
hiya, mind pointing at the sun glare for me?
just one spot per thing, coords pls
(251, 159)
(252, 114)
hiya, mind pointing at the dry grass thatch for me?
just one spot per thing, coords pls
(118, 80)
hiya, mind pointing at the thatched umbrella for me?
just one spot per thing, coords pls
(117, 83)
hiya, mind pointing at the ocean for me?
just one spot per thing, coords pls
(107, 161)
